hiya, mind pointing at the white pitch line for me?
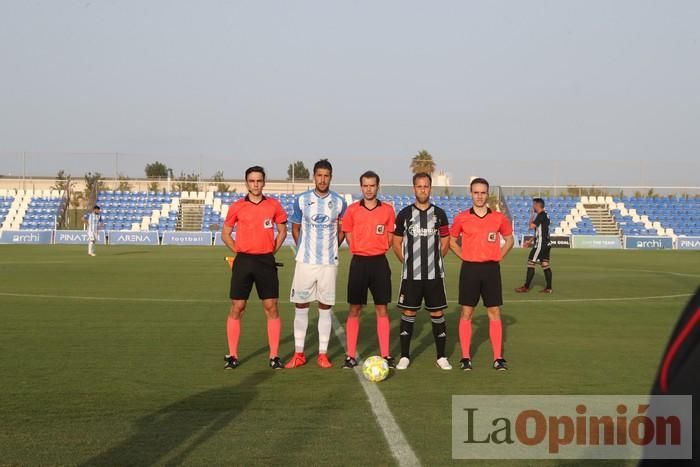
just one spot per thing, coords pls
(112, 299)
(612, 299)
(398, 444)
(285, 302)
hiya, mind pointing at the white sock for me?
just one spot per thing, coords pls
(324, 329)
(91, 247)
(301, 322)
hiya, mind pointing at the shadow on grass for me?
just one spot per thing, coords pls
(178, 429)
(265, 350)
(423, 335)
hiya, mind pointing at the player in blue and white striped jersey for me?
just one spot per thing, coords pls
(93, 223)
(316, 232)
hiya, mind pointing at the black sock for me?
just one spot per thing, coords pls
(530, 275)
(440, 335)
(548, 277)
(406, 331)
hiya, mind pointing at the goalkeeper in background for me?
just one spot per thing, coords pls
(92, 222)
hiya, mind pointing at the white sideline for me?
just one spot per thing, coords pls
(400, 449)
(398, 444)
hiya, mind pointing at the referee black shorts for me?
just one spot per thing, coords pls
(369, 273)
(414, 292)
(480, 280)
(539, 254)
(254, 269)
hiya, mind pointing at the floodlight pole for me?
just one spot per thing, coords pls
(116, 169)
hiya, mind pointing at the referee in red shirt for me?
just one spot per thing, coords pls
(254, 218)
(368, 225)
(480, 230)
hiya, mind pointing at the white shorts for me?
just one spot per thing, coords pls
(314, 283)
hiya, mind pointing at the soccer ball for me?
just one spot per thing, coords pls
(375, 369)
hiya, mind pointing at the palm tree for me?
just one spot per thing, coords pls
(423, 162)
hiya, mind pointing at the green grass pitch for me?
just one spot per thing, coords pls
(117, 359)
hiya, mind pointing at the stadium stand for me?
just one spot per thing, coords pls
(139, 210)
(30, 210)
(668, 216)
(6, 201)
(586, 215)
(596, 215)
(566, 214)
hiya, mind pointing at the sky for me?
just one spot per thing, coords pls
(523, 93)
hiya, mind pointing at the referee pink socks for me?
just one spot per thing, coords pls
(383, 335)
(233, 333)
(352, 329)
(465, 336)
(496, 336)
(274, 327)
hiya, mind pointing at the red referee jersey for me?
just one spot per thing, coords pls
(254, 223)
(370, 228)
(481, 236)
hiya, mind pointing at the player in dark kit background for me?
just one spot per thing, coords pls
(540, 248)
(421, 240)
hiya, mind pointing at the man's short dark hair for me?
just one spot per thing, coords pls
(370, 174)
(422, 175)
(539, 201)
(479, 180)
(323, 164)
(255, 168)
(95, 207)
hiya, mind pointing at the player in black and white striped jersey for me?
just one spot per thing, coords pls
(540, 248)
(421, 240)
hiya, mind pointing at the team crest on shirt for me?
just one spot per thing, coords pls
(492, 237)
(267, 223)
(330, 203)
(380, 229)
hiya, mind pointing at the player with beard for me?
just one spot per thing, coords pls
(421, 240)
(317, 234)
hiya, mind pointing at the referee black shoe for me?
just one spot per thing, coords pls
(499, 364)
(465, 364)
(276, 364)
(390, 361)
(350, 363)
(231, 362)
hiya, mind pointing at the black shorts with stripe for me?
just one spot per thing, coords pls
(480, 280)
(539, 254)
(414, 292)
(260, 270)
(369, 273)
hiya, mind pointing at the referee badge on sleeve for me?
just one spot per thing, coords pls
(492, 237)
(267, 223)
(380, 229)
